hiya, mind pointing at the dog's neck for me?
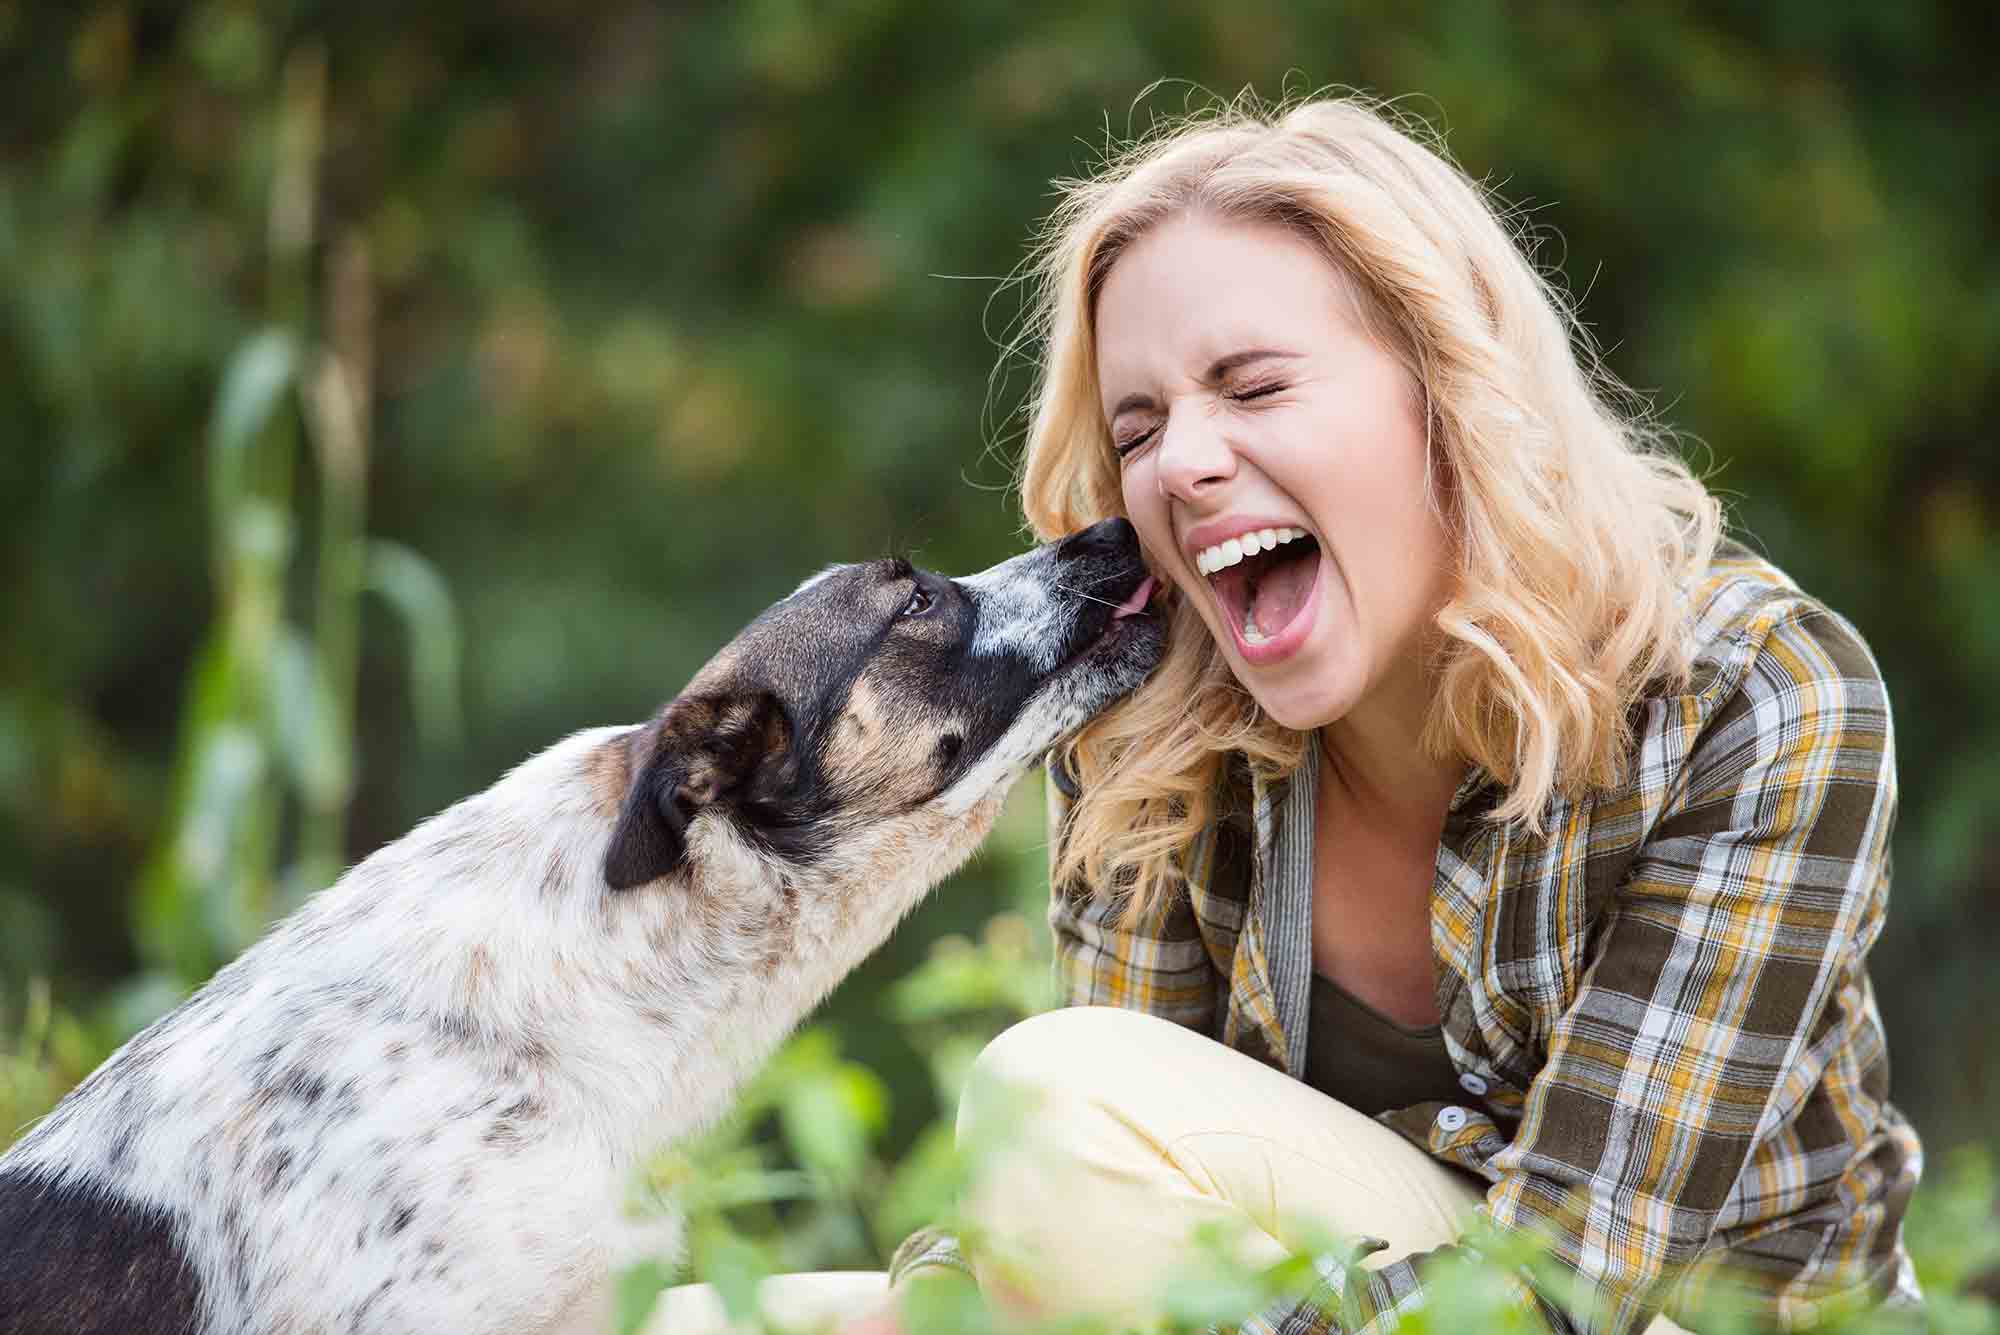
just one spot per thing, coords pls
(633, 1010)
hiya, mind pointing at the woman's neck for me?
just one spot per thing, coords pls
(1376, 768)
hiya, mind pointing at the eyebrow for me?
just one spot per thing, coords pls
(1217, 369)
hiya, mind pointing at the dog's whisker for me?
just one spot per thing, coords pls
(1088, 597)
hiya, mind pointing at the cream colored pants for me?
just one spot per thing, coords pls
(1136, 1133)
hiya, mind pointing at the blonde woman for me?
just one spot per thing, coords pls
(1495, 838)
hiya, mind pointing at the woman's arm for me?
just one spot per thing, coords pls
(1712, 1004)
(1157, 964)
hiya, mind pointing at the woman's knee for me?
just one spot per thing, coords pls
(1053, 1054)
(1073, 1059)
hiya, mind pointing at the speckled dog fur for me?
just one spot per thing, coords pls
(416, 1105)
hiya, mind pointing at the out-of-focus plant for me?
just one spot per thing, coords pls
(746, 1217)
(1954, 1237)
(267, 743)
(43, 1052)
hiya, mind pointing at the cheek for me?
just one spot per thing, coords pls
(1403, 490)
(1393, 550)
(1147, 510)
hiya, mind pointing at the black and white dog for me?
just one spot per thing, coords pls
(415, 1105)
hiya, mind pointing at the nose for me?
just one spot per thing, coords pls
(1106, 538)
(1193, 456)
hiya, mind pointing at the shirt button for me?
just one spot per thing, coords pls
(1472, 1084)
(1451, 1119)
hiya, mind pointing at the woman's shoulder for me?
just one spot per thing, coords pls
(1752, 624)
(1782, 687)
(1781, 742)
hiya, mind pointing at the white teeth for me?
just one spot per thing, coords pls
(1226, 554)
(1252, 635)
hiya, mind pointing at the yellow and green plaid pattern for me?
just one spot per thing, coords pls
(1663, 1001)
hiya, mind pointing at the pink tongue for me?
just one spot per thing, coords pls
(1137, 602)
(1281, 592)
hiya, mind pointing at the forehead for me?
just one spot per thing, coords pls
(1197, 288)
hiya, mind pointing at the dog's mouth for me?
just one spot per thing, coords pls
(1116, 612)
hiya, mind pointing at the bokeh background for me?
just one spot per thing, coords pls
(389, 390)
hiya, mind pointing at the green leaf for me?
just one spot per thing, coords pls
(1951, 1228)
(830, 1121)
(923, 1189)
(418, 594)
(734, 1265)
(637, 1290)
(166, 918)
(1205, 1295)
(310, 743)
(940, 1299)
(229, 767)
(258, 374)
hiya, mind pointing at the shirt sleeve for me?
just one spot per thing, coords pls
(1759, 890)
(1157, 963)
(927, 1248)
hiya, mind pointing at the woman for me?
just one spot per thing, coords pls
(1494, 834)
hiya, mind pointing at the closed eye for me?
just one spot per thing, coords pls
(1131, 443)
(1255, 392)
(1126, 447)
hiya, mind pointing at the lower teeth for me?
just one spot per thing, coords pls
(1251, 635)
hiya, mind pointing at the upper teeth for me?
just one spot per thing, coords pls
(1226, 554)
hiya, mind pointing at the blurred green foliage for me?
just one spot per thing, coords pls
(626, 317)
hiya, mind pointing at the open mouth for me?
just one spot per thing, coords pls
(1115, 621)
(1099, 573)
(1264, 583)
(1112, 615)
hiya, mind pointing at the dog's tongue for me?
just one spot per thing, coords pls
(1137, 602)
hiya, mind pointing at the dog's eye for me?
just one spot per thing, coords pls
(920, 603)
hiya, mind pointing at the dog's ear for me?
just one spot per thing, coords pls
(700, 751)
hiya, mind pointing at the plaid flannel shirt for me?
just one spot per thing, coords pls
(1659, 1009)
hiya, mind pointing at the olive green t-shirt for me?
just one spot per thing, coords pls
(1369, 1062)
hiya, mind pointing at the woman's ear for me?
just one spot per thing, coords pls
(700, 752)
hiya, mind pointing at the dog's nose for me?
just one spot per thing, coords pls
(1106, 538)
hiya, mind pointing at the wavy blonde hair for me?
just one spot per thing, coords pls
(1574, 524)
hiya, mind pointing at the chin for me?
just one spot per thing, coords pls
(1309, 696)
(1299, 713)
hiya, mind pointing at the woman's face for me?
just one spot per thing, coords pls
(1247, 401)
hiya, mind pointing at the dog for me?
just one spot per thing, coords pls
(417, 1103)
